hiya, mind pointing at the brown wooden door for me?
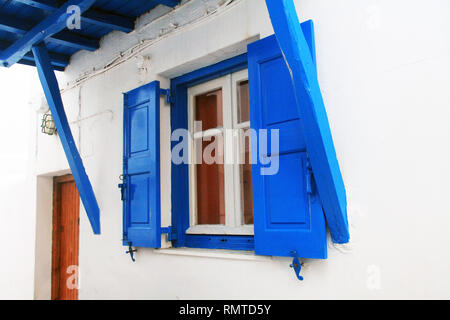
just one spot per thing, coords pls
(66, 213)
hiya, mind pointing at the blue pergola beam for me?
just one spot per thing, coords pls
(167, 3)
(94, 16)
(73, 40)
(108, 20)
(54, 23)
(48, 5)
(33, 64)
(59, 60)
(53, 96)
(65, 38)
(56, 59)
(312, 112)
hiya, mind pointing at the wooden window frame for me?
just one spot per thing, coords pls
(233, 207)
(180, 172)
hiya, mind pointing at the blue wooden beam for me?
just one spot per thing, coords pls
(73, 40)
(31, 63)
(108, 20)
(94, 16)
(58, 60)
(65, 38)
(167, 3)
(14, 24)
(48, 5)
(312, 112)
(54, 23)
(53, 95)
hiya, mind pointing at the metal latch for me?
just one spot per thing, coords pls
(131, 251)
(122, 187)
(169, 98)
(171, 233)
(296, 265)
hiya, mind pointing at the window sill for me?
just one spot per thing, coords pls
(215, 254)
(247, 230)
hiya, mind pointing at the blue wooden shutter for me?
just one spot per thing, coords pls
(293, 41)
(142, 193)
(288, 214)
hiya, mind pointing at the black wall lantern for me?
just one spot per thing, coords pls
(48, 125)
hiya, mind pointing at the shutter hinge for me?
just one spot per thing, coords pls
(296, 265)
(170, 99)
(171, 233)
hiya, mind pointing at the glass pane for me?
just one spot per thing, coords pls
(208, 110)
(245, 172)
(243, 102)
(211, 186)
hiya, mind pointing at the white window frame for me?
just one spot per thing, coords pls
(233, 212)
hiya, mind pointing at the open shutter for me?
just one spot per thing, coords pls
(294, 43)
(288, 214)
(141, 187)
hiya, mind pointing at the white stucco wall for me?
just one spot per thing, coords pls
(19, 84)
(384, 70)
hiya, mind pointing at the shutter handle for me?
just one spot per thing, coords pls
(296, 265)
(131, 251)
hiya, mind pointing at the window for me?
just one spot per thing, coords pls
(275, 212)
(238, 206)
(220, 171)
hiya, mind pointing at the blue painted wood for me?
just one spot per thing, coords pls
(287, 216)
(108, 20)
(41, 4)
(142, 205)
(21, 27)
(14, 25)
(94, 16)
(73, 40)
(313, 116)
(48, 27)
(33, 64)
(178, 120)
(58, 60)
(167, 3)
(246, 243)
(52, 93)
(211, 72)
(102, 18)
